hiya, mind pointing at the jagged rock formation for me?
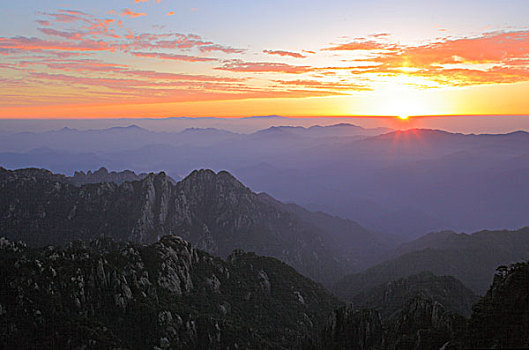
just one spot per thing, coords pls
(349, 328)
(501, 318)
(103, 295)
(213, 211)
(103, 175)
(389, 298)
(421, 324)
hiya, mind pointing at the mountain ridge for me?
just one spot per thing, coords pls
(214, 211)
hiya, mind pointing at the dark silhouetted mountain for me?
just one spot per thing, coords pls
(213, 211)
(420, 324)
(103, 295)
(501, 318)
(103, 175)
(470, 258)
(389, 298)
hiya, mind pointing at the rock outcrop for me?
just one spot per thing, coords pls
(103, 295)
(501, 318)
(214, 212)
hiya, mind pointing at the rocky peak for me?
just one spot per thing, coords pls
(501, 318)
(207, 180)
(103, 175)
(30, 174)
(107, 295)
(213, 211)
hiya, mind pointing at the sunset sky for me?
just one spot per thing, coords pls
(164, 58)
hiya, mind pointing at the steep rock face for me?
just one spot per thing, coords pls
(421, 324)
(501, 318)
(351, 329)
(103, 175)
(389, 298)
(104, 295)
(213, 211)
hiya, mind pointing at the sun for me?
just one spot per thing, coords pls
(403, 97)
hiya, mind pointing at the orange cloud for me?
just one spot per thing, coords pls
(166, 56)
(35, 44)
(170, 13)
(360, 45)
(499, 57)
(316, 84)
(175, 41)
(131, 14)
(262, 67)
(284, 53)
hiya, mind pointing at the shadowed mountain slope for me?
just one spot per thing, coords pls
(213, 211)
(103, 295)
(470, 258)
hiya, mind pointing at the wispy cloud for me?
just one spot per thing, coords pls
(328, 85)
(284, 53)
(37, 45)
(360, 45)
(174, 57)
(263, 67)
(132, 14)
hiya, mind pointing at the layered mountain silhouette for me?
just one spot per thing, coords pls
(499, 320)
(391, 297)
(404, 183)
(470, 258)
(212, 210)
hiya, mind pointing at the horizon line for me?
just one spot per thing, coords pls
(271, 116)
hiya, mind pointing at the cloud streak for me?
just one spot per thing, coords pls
(174, 57)
(132, 14)
(263, 67)
(284, 53)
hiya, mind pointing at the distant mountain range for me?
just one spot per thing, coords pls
(472, 259)
(403, 183)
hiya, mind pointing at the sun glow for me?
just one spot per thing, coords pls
(403, 97)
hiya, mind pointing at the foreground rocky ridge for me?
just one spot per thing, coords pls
(499, 320)
(103, 295)
(213, 211)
